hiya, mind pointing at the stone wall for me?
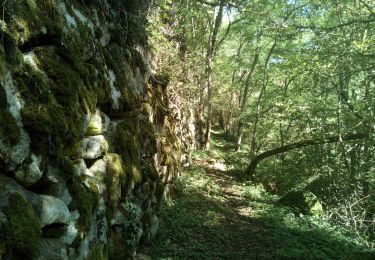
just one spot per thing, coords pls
(90, 142)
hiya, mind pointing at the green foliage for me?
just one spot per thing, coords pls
(206, 221)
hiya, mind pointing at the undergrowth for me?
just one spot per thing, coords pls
(205, 222)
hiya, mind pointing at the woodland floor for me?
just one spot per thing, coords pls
(215, 214)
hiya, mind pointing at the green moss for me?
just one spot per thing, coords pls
(159, 192)
(136, 174)
(32, 84)
(147, 133)
(9, 129)
(13, 56)
(127, 138)
(98, 252)
(23, 233)
(150, 172)
(26, 18)
(84, 201)
(128, 98)
(115, 176)
(53, 113)
(137, 60)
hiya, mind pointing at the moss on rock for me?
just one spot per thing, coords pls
(23, 235)
(115, 176)
(127, 138)
(9, 130)
(98, 252)
(53, 113)
(84, 201)
(28, 19)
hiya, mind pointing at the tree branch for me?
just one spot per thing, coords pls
(313, 27)
(333, 139)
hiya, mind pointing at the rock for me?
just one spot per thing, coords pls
(53, 249)
(99, 168)
(31, 174)
(150, 225)
(115, 172)
(71, 229)
(81, 168)
(93, 147)
(154, 226)
(3, 218)
(97, 123)
(18, 152)
(115, 93)
(9, 186)
(118, 218)
(61, 191)
(104, 40)
(220, 166)
(52, 175)
(54, 210)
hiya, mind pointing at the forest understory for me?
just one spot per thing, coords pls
(216, 214)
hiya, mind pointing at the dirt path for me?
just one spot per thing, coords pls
(209, 220)
(242, 229)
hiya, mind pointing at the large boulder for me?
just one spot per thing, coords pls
(54, 211)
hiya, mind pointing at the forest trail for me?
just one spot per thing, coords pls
(215, 214)
(240, 228)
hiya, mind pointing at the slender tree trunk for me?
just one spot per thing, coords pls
(333, 139)
(244, 99)
(209, 67)
(258, 105)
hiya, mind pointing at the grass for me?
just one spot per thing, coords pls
(218, 215)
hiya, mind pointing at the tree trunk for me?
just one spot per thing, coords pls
(258, 105)
(209, 66)
(333, 139)
(245, 98)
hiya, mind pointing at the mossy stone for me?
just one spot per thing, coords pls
(115, 175)
(94, 128)
(126, 138)
(98, 252)
(23, 233)
(136, 174)
(53, 111)
(9, 130)
(84, 201)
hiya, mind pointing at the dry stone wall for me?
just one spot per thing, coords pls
(89, 141)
